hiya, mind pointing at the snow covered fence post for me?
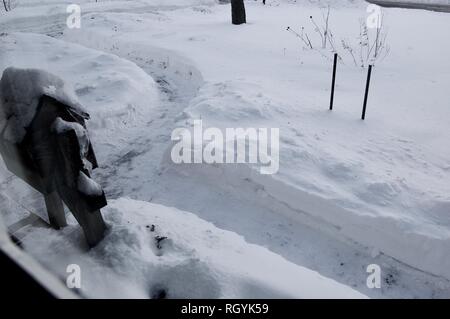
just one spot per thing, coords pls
(238, 12)
(44, 141)
(366, 94)
(333, 81)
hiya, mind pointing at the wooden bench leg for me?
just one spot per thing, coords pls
(85, 207)
(55, 210)
(93, 225)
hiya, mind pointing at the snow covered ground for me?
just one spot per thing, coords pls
(152, 251)
(348, 193)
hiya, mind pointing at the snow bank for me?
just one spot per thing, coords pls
(116, 93)
(152, 250)
(383, 182)
(171, 66)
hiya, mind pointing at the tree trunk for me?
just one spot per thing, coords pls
(238, 12)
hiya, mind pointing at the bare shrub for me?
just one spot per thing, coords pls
(369, 47)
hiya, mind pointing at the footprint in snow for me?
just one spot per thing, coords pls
(160, 243)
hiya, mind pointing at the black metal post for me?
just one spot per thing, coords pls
(333, 82)
(366, 95)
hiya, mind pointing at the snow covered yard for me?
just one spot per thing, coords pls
(381, 187)
(123, 100)
(154, 251)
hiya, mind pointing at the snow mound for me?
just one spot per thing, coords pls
(152, 251)
(116, 93)
(20, 92)
(384, 191)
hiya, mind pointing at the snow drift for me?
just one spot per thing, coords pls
(124, 93)
(382, 183)
(152, 251)
(117, 94)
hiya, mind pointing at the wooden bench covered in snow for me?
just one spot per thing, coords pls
(44, 141)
